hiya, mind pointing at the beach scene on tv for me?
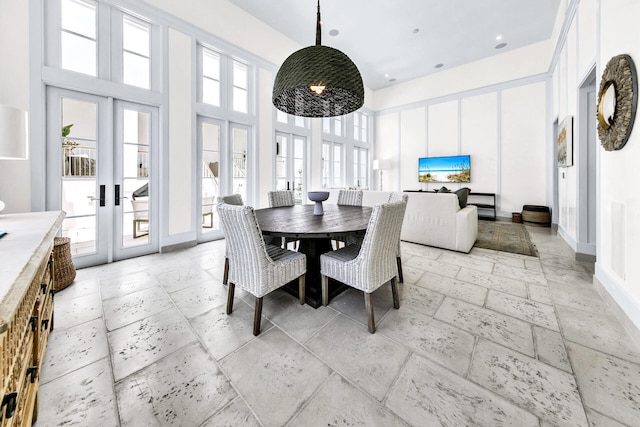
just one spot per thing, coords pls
(444, 169)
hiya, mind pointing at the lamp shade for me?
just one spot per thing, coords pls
(13, 133)
(382, 164)
(313, 65)
(318, 81)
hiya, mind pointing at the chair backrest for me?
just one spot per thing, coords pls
(140, 208)
(248, 258)
(350, 197)
(280, 198)
(231, 199)
(207, 204)
(396, 197)
(379, 247)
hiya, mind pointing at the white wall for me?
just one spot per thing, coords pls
(502, 127)
(617, 266)
(15, 175)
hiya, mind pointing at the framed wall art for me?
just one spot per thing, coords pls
(565, 142)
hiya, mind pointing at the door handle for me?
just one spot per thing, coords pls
(101, 198)
(117, 195)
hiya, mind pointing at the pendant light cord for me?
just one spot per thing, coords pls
(318, 32)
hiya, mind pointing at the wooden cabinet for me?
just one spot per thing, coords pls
(26, 310)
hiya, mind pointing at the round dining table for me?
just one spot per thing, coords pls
(315, 233)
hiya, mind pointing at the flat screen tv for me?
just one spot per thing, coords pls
(444, 169)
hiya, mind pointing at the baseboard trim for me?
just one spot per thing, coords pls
(622, 317)
(585, 257)
(178, 246)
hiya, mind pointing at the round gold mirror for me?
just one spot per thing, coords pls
(617, 102)
(607, 105)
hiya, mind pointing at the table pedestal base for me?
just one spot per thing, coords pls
(313, 248)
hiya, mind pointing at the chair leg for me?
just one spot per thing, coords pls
(325, 290)
(225, 275)
(301, 289)
(257, 316)
(232, 288)
(394, 292)
(368, 303)
(400, 278)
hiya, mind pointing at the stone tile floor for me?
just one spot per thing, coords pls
(488, 338)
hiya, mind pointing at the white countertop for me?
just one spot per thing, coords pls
(28, 239)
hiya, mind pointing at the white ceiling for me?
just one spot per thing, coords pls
(380, 37)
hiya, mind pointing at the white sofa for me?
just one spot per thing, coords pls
(433, 219)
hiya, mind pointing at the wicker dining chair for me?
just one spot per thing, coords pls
(254, 266)
(396, 197)
(236, 200)
(280, 198)
(277, 199)
(348, 198)
(371, 265)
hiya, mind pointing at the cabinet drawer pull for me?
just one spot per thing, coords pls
(34, 323)
(32, 370)
(10, 399)
(45, 323)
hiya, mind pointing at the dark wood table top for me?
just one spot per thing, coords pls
(300, 222)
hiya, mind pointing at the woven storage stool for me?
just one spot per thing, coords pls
(64, 270)
(536, 215)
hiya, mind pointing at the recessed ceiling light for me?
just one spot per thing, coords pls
(499, 37)
(438, 66)
(334, 32)
(416, 30)
(500, 46)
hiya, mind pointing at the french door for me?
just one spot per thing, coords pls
(291, 164)
(102, 171)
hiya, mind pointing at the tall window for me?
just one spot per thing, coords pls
(360, 127)
(332, 162)
(361, 167)
(136, 59)
(240, 87)
(78, 43)
(210, 77)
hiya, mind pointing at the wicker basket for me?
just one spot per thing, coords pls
(536, 215)
(64, 270)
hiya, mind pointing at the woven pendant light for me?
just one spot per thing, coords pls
(318, 81)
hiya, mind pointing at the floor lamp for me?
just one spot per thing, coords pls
(13, 135)
(381, 165)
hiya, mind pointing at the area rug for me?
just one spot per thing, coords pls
(505, 237)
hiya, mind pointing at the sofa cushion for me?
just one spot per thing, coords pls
(463, 195)
(444, 189)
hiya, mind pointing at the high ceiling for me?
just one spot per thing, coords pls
(399, 40)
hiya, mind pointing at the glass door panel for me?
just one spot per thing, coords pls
(210, 136)
(78, 179)
(135, 177)
(291, 164)
(298, 169)
(240, 143)
(134, 192)
(282, 173)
